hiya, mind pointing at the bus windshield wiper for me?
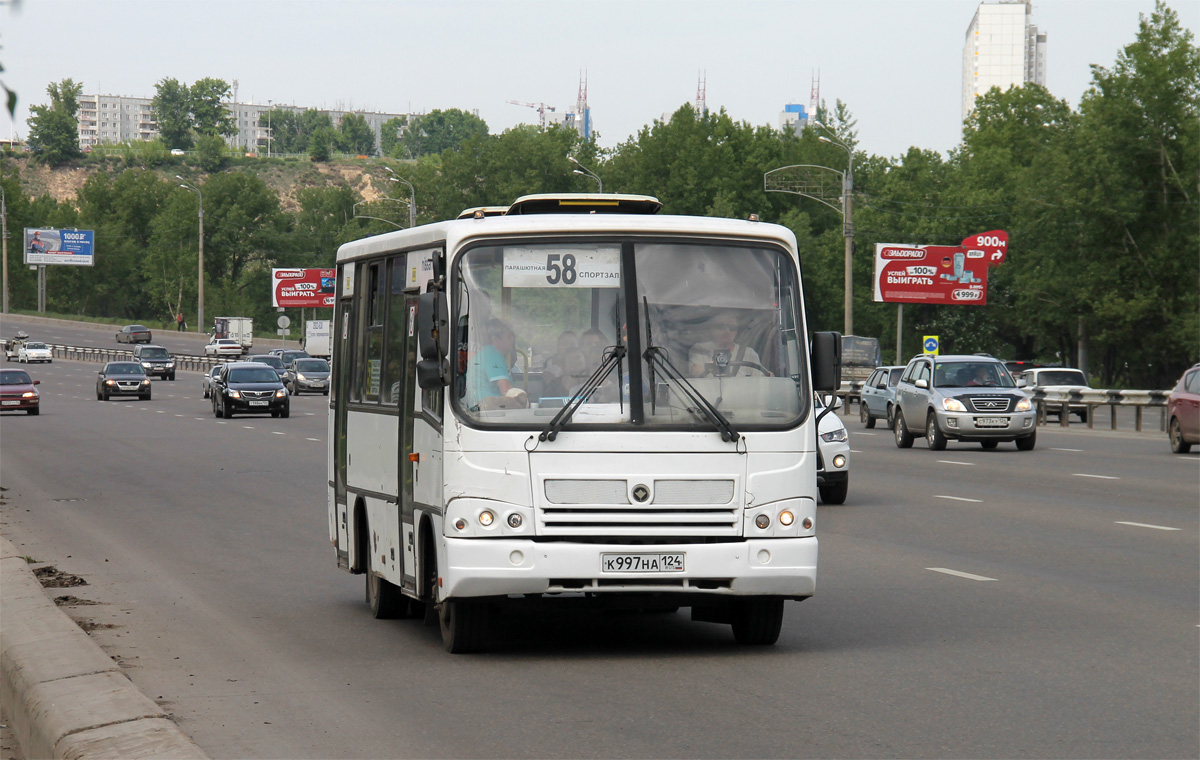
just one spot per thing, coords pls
(657, 356)
(564, 415)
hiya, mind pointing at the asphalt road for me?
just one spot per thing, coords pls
(970, 603)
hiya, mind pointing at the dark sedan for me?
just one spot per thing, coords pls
(249, 388)
(270, 360)
(134, 334)
(308, 375)
(17, 393)
(122, 379)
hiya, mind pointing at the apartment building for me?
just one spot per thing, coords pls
(1003, 49)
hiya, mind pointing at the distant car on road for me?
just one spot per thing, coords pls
(13, 345)
(17, 393)
(878, 394)
(176, 152)
(833, 448)
(122, 379)
(156, 360)
(34, 351)
(207, 378)
(134, 334)
(223, 347)
(288, 355)
(1056, 379)
(308, 375)
(1183, 412)
(251, 388)
(271, 361)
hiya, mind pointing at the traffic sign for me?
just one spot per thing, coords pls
(283, 331)
(930, 344)
(283, 321)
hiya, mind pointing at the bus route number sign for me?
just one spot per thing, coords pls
(571, 267)
(642, 563)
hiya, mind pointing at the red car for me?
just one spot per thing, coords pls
(17, 392)
(1183, 412)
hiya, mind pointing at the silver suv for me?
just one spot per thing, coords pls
(962, 398)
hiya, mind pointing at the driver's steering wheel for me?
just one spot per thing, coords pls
(752, 365)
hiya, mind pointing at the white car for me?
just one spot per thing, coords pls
(833, 444)
(1056, 380)
(207, 378)
(34, 351)
(223, 347)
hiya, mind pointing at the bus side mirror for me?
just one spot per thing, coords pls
(433, 326)
(431, 374)
(826, 361)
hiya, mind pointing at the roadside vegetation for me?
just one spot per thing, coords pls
(1100, 204)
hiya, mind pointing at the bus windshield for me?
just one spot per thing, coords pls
(715, 330)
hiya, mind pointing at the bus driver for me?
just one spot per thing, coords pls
(712, 357)
(489, 383)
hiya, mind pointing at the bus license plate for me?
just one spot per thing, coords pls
(259, 403)
(641, 563)
(991, 422)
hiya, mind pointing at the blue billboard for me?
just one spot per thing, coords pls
(48, 245)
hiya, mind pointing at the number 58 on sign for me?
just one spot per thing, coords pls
(568, 267)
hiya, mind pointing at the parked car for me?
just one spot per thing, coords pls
(250, 388)
(122, 379)
(272, 361)
(134, 334)
(833, 455)
(962, 398)
(156, 360)
(878, 394)
(308, 375)
(34, 351)
(207, 378)
(1056, 379)
(1183, 412)
(223, 347)
(17, 392)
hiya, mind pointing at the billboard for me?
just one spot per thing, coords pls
(47, 245)
(938, 274)
(295, 288)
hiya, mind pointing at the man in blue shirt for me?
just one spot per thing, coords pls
(487, 372)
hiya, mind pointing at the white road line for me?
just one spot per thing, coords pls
(1144, 525)
(313, 439)
(951, 461)
(959, 498)
(276, 432)
(855, 451)
(958, 574)
(862, 432)
(1075, 450)
(180, 415)
(1100, 477)
(248, 427)
(159, 411)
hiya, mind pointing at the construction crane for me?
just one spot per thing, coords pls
(541, 108)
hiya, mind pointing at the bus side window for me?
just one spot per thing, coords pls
(397, 332)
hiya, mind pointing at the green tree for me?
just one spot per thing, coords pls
(438, 131)
(211, 152)
(389, 137)
(355, 135)
(53, 128)
(171, 107)
(209, 115)
(320, 145)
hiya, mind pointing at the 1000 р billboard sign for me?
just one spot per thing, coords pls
(938, 274)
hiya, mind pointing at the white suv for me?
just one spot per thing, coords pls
(962, 398)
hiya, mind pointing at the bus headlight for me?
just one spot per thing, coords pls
(786, 517)
(514, 520)
(763, 522)
(486, 518)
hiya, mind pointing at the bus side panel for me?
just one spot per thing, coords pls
(383, 520)
(427, 488)
(372, 442)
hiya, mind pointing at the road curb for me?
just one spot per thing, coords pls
(64, 697)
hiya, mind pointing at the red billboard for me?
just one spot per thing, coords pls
(294, 288)
(938, 274)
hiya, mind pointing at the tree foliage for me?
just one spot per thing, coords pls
(53, 128)
(434, 133)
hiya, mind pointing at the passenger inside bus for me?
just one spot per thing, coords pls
(489, 383)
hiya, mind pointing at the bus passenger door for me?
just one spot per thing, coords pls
(409, 463)
(340, 390)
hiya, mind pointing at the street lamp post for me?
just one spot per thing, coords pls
(847, 227)
(412, 203)
(4, 236)
(200, 295)
(583, 171)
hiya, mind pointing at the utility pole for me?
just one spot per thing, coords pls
(4, 235)
(200, 296)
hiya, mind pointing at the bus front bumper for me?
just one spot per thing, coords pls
(758, 567)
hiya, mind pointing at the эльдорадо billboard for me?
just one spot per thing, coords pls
(295, 288)
(53, 246)
(938, 274)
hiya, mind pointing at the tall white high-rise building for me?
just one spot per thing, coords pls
(1003, 49)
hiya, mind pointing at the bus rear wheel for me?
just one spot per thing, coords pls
(757, 621)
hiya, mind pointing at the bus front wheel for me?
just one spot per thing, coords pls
(464, 626)
(757, 620)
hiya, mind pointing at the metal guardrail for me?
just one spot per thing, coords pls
(190, 362)
(1061, 402)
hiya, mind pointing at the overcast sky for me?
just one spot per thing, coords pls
(895, 63)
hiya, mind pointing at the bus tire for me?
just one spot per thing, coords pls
(385, 599)
(464, 626)
(757, 620)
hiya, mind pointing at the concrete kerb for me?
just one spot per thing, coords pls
(64, 697)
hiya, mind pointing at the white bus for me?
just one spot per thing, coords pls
(577, 398)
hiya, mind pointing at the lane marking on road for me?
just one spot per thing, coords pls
(313, 439)
(1099, 477)
(863, 432)
(855, 451)
(248, 427)
(951, 461)
(276, 432)
(1077, 451)
(959, 574)
(160, 411)
(1144, 525)
(180, 415)
(959, 498)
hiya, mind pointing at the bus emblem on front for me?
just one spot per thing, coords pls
(641, 494)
